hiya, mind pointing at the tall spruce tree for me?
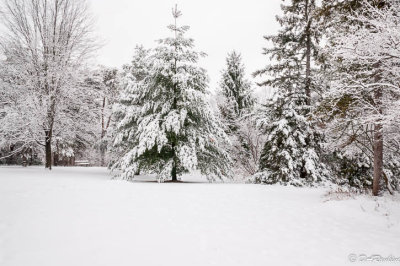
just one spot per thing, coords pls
(291, 154)
(235, 106)
(235, 90)
(176, 129)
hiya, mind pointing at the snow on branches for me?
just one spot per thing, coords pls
(165, 115)
(364, 94)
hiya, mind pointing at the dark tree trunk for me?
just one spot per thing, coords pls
(174, 106)
(31, 159)
(102, 156)
(308, 49)
(174, 177)
(378, 159)
(48, 135)
(173, 174)
(378, 136)
(56, 159)
(102, 144)
(56, 156)
(137, 171)
(103, 133)
(378, 146)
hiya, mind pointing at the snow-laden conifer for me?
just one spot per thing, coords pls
(291, 154)
(175, 131)
(235, 104)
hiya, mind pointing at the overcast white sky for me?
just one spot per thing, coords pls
(218, 26)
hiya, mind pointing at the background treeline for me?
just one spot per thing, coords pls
(334, 68)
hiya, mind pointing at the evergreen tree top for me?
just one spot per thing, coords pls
(140, 63)
(287, 48)
(177, 50)
(234, 86)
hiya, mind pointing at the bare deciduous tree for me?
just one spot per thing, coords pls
(365, 89)
(45, 43)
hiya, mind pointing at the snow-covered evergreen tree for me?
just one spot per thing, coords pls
(176, 129)
(291, 154)
(127, 110)
(235, 90)
(235, 104)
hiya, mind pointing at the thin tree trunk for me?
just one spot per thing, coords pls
(48, 134)
(102, 148)
(378, 136)
(173, 174)
(102, 155)
(378, 159)
(102, 151)
(174, 177)
(137, 171)
(308, 51)
(378, 148)
(56, 155)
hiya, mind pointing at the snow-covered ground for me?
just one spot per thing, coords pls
(79, 216)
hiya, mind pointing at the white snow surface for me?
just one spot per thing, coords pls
(79, 216)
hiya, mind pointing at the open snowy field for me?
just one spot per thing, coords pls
(79, 216)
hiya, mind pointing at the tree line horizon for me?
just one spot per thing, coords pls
(333, 118)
